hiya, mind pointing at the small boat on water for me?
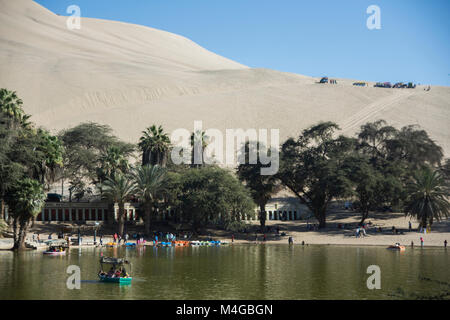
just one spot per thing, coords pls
(115, 280)
(117, 273)
(181, 243)
(111, 244)
(55, 251)
(165, 244)
(207, 243)
(130, 244)
(397, 247)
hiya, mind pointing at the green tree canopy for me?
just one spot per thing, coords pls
(92, 153)
(311, 167)
(118, 189)
(262, 187)
(155, 145)
(150, 186)
(211, 194)
(428, 197)
(26, 199)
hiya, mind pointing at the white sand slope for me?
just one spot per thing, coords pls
(130, 77)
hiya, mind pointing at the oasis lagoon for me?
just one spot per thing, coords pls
(272, 271)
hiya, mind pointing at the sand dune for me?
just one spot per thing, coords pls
(131, 76)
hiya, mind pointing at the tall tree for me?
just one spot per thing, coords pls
(199, 142)
(211, 194)
(262, 187)
(311, 167)
(49, 151)
(155, 145)
(118, 189)
(150, 186)
(374, 185)
(86, 150)
(26, 200)
(112, 161)
(428, 197)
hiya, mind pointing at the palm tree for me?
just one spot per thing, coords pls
(428, 197)
(150, 184)
(199, 142)
(49, 157)
(113, 161)
(11, 105)
(155, 145)
(26, 200)
(118, 189)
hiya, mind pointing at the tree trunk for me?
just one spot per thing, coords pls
(262, 216)
(423, 224)
(321, 217)
(15, 234)
(147, 220)
(2, 212)
(365, 215)
(121, 218)
(111, 214)
(19, 241)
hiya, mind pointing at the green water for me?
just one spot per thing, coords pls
(229, 272)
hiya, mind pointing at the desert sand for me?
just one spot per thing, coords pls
(130, 77)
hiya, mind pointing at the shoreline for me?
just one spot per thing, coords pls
(249, 242)
(297, 229)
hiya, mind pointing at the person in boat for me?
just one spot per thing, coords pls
(111, 272)
(117, 273)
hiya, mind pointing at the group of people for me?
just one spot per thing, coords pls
(169, 236)
(118, 273)
(56, 249)
(118, 237)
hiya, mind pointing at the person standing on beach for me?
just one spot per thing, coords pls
(264, 238)
(421, 241)
(410, 227)
(232, 238)
(445, 243)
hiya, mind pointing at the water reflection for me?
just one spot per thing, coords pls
(232, 272)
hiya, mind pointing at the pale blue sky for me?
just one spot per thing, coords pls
(314, 38)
